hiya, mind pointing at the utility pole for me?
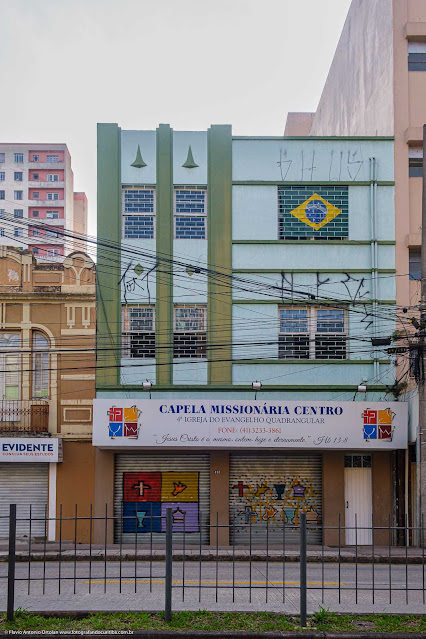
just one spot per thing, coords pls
(421, 439)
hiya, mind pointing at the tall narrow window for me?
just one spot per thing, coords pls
(330, 341)
(190, 214)
(415, 264)
(293, 339)
(138, 213)
(10, 363)
(138, 332)
(415, 161)
(189, 338)
(41, 372)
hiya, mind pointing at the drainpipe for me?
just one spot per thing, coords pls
(374, 255)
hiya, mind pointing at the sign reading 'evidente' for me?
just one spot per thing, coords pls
(30, 449)
(214, 423)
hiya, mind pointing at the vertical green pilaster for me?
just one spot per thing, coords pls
(164, 245)
(219, 214)
(108, 332)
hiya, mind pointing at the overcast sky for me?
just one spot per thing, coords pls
(67, 64)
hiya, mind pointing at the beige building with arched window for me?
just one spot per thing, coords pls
(47, 382)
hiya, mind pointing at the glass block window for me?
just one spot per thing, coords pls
(189, 337)
(313, 212)
(415, 264)
(138, 213)
(139, 226)
(19, 158)
(312, 333)
(190, 213)
(138, 334)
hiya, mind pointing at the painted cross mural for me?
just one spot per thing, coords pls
(266, 499)
(146, 495)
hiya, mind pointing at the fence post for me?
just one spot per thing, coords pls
(169, 565)
(11, 564)
(303, 584)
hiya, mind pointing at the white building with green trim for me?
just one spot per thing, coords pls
(241, 281)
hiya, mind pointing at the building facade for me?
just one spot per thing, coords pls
(373, 90)
(240, 283)
(38, 205)
(47, 353)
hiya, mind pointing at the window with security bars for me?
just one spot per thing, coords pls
(138, 338)
(312, 333)
(189, 337)
(138, 206)
(190, 214)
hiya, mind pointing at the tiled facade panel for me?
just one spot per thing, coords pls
(190, 227)
(190, 201)
(139, 201)
(292, 197)
(139, 226)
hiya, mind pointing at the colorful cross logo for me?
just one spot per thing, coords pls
(378, 424)
(123, 422)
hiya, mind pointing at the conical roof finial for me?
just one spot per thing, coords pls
(190, 162)
(139, 163)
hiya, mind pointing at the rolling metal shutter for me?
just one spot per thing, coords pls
(146, 483)
(272, 489)
(23, 484)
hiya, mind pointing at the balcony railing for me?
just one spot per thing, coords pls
(24, 416)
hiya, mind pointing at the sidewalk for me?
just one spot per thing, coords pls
(315, 554)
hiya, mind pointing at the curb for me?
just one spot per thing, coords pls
(22, 557)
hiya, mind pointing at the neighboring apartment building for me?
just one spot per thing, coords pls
(37, 201)
(377, 86)
(47, 359)
(240, 283)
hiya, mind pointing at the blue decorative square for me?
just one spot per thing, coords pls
(116, 429)
(141, 517)
(370, 431)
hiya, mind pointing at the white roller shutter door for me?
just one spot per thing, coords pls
(271, 490)
(147, 483)
(24, 484)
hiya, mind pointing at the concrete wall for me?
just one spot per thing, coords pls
(358, 94)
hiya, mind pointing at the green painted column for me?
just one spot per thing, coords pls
(219, 229)
(164, 245)
(108, 332)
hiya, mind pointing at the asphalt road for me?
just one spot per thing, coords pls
(224, 587)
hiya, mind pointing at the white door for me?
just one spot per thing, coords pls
(358, 506)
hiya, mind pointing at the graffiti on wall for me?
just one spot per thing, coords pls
(276, 500)
(146, 495)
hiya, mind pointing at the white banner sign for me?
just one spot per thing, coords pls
(30, 449)
(210, 423)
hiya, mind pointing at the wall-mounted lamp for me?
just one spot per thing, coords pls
(361, 388)
(256, 386)
(147, 385)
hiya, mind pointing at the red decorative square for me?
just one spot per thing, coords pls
(130, 429)
(370, 417)
(115, 414)
(142, 487)
(385, 431)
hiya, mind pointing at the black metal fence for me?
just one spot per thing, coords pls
(382, 572)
